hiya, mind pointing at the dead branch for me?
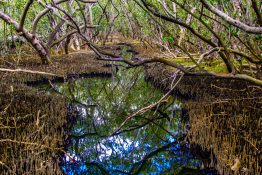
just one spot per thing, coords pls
(147, 108)
(29, 71)
(230, 20)
(42, 14)
(22, 21)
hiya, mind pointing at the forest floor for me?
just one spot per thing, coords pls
(84, 62)
(74, 65)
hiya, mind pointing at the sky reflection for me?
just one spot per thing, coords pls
(153, 143)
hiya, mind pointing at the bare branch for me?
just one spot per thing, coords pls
(147, 108)
(179, 22)
(53, 34)
(228, 19)
(29, 71)
(42, 14)
(22, 21)
(8, 19)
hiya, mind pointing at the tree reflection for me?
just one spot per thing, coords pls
(153, 143)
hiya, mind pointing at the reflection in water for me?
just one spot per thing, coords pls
(152, 143)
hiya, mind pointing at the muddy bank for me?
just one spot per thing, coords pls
(224, 116)
(33, 127)
(64, 67)
(35, 124)
(198, 87)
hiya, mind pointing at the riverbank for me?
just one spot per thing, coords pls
(33, 128)
(224, 116)
(72, 66)
(35, 124)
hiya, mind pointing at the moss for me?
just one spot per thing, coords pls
(182, 61)
(215, 66)
(218, 68)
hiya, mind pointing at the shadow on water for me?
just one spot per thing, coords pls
(152, 143)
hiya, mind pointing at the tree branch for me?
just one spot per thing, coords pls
(42, 14)
(22, 21)
(224, 56)
(9, 20)
(147, 108)
(29, 71)
(139, 165)
(228, 19)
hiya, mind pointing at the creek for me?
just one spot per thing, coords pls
(152, 143)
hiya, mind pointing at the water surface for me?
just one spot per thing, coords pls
(152, 143)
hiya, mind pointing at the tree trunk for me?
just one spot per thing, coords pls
(37, 45)
(32, 39)
(183, 30)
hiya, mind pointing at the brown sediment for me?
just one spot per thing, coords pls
(224, 115)
(199, 86)
(76, 65)
(33, 127)
(35, 124)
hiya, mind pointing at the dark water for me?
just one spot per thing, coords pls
(152, 143)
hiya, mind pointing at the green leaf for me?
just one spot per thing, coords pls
(171, 38)
(164, 38)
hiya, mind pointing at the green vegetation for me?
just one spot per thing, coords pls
(206, 53)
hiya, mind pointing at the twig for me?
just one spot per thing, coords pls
(29, 71)
(147, 108)
(2, 163)
(29, 143)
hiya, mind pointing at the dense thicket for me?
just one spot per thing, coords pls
(201, 30)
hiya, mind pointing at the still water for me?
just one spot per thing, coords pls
(102, 141)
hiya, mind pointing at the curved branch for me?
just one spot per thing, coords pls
(42, 14)
(34, 41)
(9, 20)
(226, 60)
(53, 34)
(37, 19)
(228, 19)
(225, 56)
(180, 23)
(218, 49)
(179, 67)
(62, 38)
(22, 21)
(29, 71)
(139, 165)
